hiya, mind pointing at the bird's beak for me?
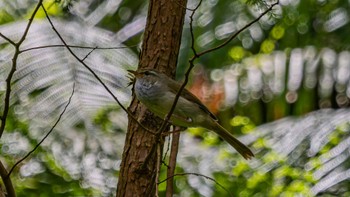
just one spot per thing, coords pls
(135, 73)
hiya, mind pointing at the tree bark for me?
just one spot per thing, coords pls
(160, 48)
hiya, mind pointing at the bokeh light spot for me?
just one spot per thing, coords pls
(277, 32)
(237, 53)
(267, 46)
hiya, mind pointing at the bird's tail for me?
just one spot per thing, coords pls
(235, 143)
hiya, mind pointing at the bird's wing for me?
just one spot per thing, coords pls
(175, 86)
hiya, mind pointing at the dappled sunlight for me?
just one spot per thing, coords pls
(267, 77)
(282, 87)
(282, 79)
(43, 82)
(313, 149)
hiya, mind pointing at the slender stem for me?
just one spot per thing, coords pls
(200, 175)
(73, 46)
(4, 175)
(172, 164)
(233, 36)
(13, 68)
(7, 39)
(7, 181)
(87, 55)
(48, 133)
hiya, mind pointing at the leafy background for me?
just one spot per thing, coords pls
(282, 85)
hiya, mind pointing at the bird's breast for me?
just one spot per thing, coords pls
(147, 90)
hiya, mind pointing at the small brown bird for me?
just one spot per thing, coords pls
(157, 92)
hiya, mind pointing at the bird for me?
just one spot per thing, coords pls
(157, 92)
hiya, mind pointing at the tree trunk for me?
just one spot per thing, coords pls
(161, 43)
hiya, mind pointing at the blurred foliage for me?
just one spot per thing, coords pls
(281, 179)
(292, 62)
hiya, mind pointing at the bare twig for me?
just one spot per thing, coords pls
(13, 68)
(48, 133)
(74, 46)
(7, 181)
(233, 36)
(7, 39)
(184, 6)
(172, 164)
(87, 55)
(92, 72)
(191, 29)
(200, 175)
(4, 175)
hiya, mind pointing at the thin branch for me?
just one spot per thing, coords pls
(233, 36)
(13, 69)
(74, 46)
(166, 165)
(29, 23)
(200, 175)
(87, 55)
(4, 175)
(92, 72)
(191, 29)
(172, 164)
(7, 39)
(183, 6)
(48, 133)
(7, 181)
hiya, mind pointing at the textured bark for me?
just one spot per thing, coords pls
(161, 43)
